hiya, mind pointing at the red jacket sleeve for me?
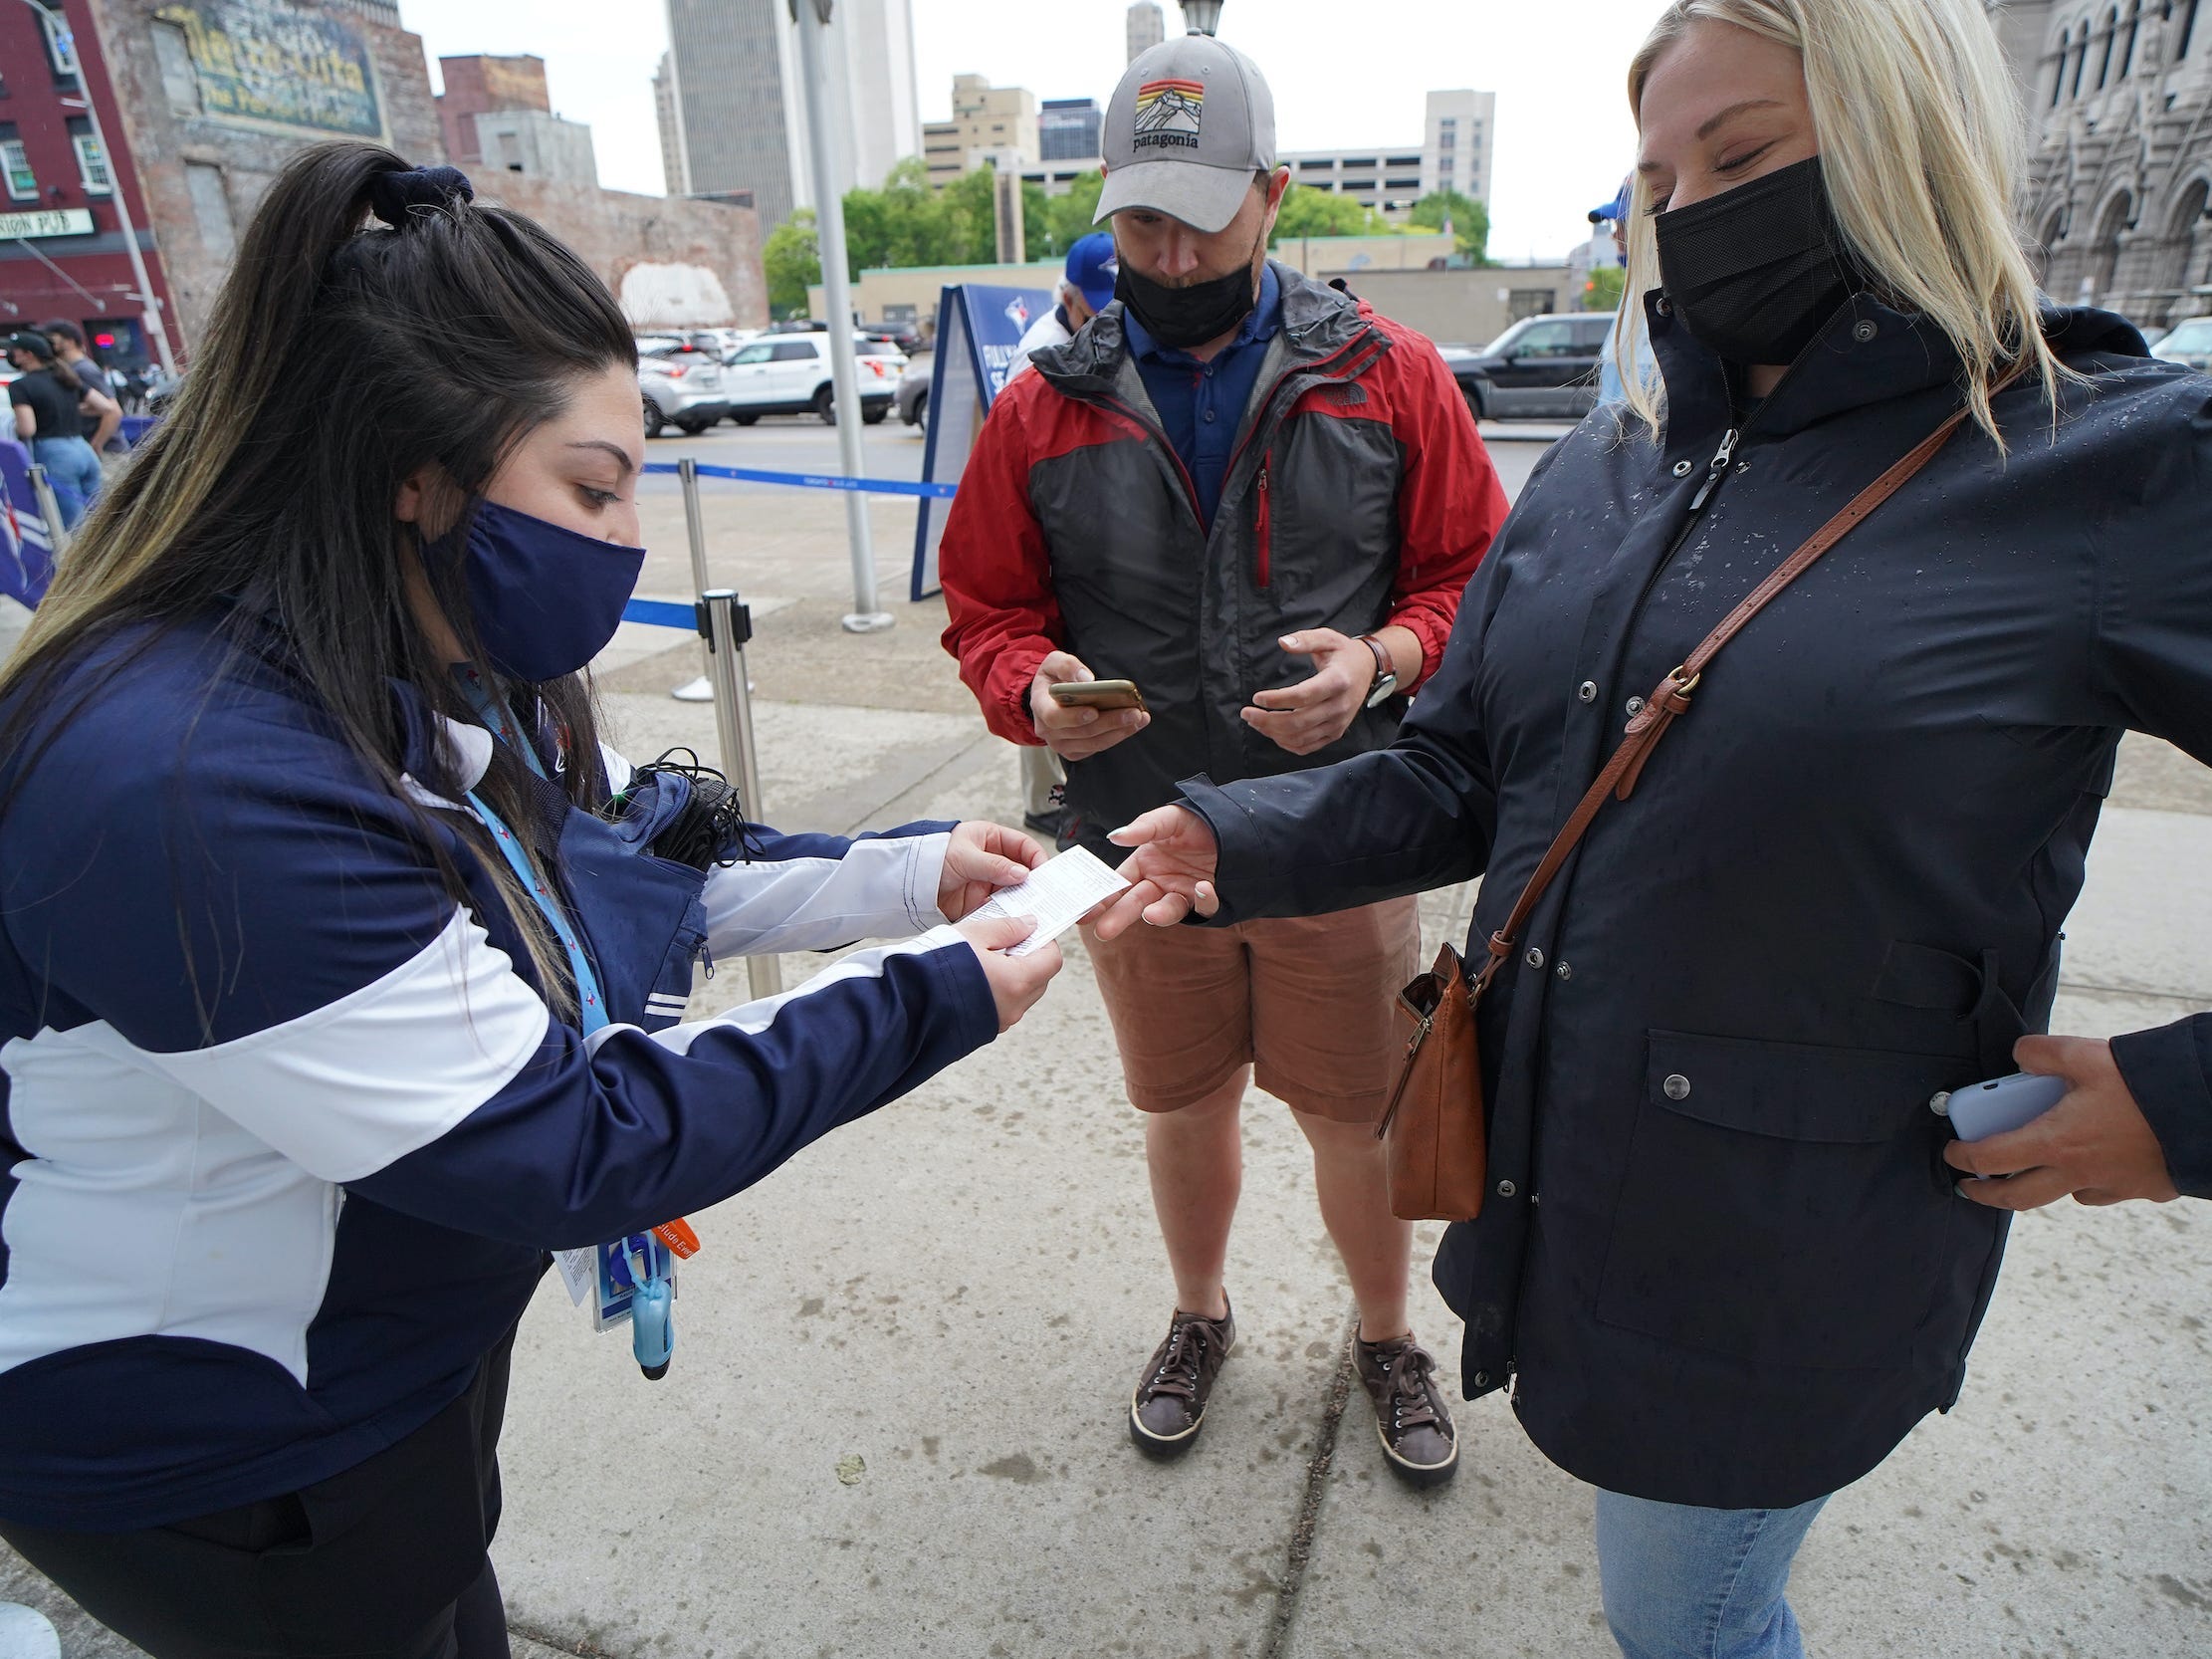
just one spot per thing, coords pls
(997, 575)
(1449, 501)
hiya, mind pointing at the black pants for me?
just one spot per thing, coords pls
(387, 1560)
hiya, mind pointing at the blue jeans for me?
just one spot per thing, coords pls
(1683, 1582)
(73, 471)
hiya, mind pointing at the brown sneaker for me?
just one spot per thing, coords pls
(1411, 1417)
(1169, 1407)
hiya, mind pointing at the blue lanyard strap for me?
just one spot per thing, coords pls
(591, 1011)
(498, 718)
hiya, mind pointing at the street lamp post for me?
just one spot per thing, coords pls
(59, 32)
(824, 98)
(1202, 17)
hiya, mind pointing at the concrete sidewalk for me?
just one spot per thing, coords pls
(894, 1425)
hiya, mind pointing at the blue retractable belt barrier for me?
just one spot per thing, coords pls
(816, 480)
(661, 613)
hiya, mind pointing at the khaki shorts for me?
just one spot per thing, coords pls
(1304, 1001)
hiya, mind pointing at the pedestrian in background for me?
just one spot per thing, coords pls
(100, 425)
(51, 406)
(342, 971)
(1261, 502)
(1086, 289)
(1721, 1263)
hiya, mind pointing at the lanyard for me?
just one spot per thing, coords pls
(591, 1011)
(498, 718)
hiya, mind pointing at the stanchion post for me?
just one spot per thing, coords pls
(49, 510)
(729, 625)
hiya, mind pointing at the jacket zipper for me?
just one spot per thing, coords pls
(1155, 431)
(1259, 528)
(1715, 470)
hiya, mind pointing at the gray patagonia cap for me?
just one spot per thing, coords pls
(1190, 122)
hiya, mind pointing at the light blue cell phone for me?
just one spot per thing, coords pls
(2003, 1103)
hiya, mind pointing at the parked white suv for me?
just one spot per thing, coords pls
(681, 386)
(789, 374)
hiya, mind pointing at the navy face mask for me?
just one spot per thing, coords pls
(545, 600)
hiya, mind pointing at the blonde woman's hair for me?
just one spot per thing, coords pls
(1921, 140)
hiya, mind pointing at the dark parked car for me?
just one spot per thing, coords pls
(913, 396)
(905, 335)
(1541, 368)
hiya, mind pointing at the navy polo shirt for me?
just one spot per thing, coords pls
(1201, 404)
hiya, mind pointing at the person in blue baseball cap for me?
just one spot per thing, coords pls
(1086, 289)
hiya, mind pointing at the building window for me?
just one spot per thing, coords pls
(60, 44)
(92, 166)
(23, 183)
(180, 83)
(2188, 28)
(211, 209)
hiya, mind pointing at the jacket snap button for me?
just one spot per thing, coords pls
(1636, 705)
(1664, 306)
(1682, 469)
(1676, 1087)
(1535, 957)
(1565, 970)
(1506, 1189)
(1864, 331)
(1483, 1379)
(1587, 691)
(1940, 1102)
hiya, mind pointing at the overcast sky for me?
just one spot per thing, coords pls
(1564, 134)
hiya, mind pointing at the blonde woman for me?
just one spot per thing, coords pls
(1722, 1263)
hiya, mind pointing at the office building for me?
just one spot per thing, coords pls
(733, 83)
(671, 129)
(1147, 27)
(2114, 201)
(988, 122)
(1453, 154)
(497, 114)
(1068, 130)
(1388, 180)
(1458, 136)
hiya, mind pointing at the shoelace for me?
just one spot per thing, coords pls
(1177, 1370)
(1411, 1405)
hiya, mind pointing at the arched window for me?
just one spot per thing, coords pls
(2104, 253)
(2179, 253)
(2058, 74)
(2188, 28)
(2105, 60)
(2080, 62)
(2135, 26)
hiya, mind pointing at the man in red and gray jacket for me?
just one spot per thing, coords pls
(1261, 502)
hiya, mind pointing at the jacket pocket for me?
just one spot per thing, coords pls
(1782, 1203)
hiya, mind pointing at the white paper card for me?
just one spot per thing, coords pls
(1059, 893)
(575, 1273)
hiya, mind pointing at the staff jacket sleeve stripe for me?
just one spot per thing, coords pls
(594, 1139)
(815, 892)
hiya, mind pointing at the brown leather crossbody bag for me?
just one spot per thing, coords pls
(1436, 1127)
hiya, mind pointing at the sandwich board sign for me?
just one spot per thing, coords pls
(978, 330)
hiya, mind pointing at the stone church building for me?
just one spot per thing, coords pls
(2117, 198)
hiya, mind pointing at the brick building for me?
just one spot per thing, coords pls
(2118, 196)
(217, 95)
(497, 114)
(62, 252)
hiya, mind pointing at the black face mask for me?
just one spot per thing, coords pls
(1186, 317)
(1753, 273)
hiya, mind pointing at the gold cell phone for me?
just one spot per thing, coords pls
(1104, 695)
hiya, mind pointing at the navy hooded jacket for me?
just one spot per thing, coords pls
(1722, 1263)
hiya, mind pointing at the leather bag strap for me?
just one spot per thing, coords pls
(1670, 700)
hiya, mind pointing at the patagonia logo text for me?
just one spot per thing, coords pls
(1168, 113)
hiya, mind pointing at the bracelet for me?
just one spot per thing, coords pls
(1383, 663)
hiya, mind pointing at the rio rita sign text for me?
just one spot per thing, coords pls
(261, 61)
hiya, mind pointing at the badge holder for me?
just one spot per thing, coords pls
(633, 1280)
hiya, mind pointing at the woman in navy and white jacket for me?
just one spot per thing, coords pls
(333, 993)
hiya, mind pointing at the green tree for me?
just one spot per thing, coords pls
(1604, 289)
(1036, 224)
(1469, 220)
(791, 259)
(1306, 211)
(1070, 215)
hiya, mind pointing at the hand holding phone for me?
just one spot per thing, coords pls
(2001, 1104)
(1067, 722)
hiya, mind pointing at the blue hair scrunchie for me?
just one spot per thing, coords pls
(393, 196)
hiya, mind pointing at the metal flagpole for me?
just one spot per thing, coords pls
(825, 99)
